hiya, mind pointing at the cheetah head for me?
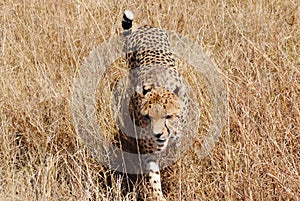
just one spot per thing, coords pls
(162, 107)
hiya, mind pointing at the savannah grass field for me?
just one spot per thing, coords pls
(256, 46)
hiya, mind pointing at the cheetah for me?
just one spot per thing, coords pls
(158, 106)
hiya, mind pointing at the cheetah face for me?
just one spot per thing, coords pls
(162, 108)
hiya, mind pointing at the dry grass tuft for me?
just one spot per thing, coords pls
(256, 44)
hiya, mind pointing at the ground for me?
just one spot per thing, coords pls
(255, 44)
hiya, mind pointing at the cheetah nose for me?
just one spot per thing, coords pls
(158, 135)
(159, 140)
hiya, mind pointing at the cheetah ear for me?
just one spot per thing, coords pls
(176, 91)
(144, 89)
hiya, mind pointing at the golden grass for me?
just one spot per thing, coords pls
(256, 44)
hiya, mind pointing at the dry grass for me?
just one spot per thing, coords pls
(256, 44)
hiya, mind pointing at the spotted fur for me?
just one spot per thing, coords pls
(158, 106)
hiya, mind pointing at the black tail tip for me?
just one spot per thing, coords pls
(127, 19)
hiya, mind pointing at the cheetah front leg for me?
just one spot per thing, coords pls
(151, 189)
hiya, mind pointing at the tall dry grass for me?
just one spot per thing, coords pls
(256, 44)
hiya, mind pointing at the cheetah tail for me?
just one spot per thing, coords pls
(127, 22)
